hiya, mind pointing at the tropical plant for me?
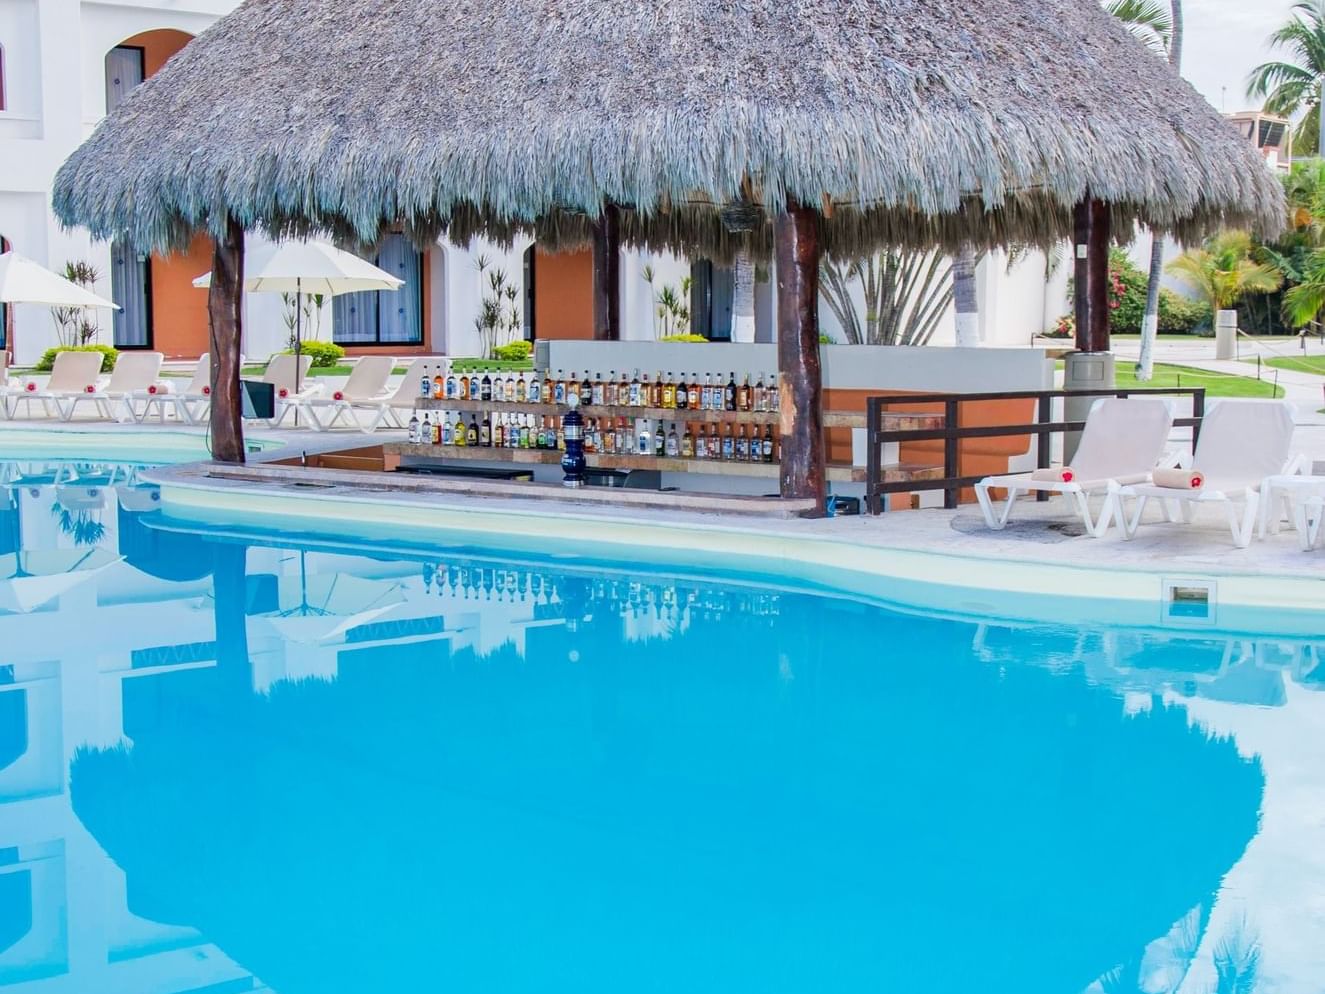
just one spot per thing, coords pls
(80, 525)
(108, 356)
(671, 305)
(904, 296)
(1153, 21)
(303, 319)
(499, 321)
(323, 354)
(1222, 270)
(77, 325)
(965, 302)
(1290, 87)
(743, 298)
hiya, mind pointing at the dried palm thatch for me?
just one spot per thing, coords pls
(911, 122)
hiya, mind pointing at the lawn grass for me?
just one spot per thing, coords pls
(492, 365)
(1216, 384)
(258, 370)
(1297, 364)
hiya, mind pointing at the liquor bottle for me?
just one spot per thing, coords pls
(586, 389)
(701, 444)
(561, 435)
(644, 441)
(471, 435)
(695, 393)
(623, 390)
(729, 395)
(672, 448)
(656, 394)
(485, 388)
(475, 387)
(573, 389)
(458, 432)
(514, 384)
(687, 444)
(535, 392)
(775, 392)
(452, 386)
(413, 434)
(549, 388)
(625, 435)
(728, 443)
(768, 443)
(634, 394)
(499, 432)
(513, 432)
(715, 443)
(742, 445)
(425, 387)
(609, 390)
(485, 431)
(463, 393)
(435, 435)
(743, 395)
(540, 434)
(521, 389)
(759, 396)
(609, 438)
(682, 393)
(659, 441)
(669, 393)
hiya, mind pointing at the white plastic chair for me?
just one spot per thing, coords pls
(191, 404)
(1242, 443)
(134, 372)
(1121, 443)
(73, 373)
(367, 383)
(280, 373)
(388, 410)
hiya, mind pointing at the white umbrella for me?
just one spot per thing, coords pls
(308, 267)
(22, 281)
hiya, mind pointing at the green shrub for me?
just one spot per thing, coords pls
(108, 356)
(683, 338)
(516, 351)
(323, 353)
(826, 339)
(1180, 316)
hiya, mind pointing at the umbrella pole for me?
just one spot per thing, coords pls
(298, 337)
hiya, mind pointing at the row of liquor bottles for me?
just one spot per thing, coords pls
(607, 436)
(662, 392)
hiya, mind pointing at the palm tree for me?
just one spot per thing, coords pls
(1222, 270)
(1167, 31)
(743, 298)
(1290, 87)
(964, 298)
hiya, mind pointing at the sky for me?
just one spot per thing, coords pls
(1223, 40)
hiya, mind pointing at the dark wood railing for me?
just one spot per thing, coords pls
(953, 433)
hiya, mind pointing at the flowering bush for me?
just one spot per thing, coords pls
(1065, 327)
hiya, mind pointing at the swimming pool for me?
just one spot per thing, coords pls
(236, 759)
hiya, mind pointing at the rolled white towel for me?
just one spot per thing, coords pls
(161, 388)
(1054, 474)
(1178, 479)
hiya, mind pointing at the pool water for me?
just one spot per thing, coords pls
(235, 761)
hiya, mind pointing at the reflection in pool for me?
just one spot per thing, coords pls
(337, 769)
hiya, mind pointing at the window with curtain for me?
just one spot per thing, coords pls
(385, 317)
(711, 300)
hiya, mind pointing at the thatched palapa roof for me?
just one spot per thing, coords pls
(908, 121)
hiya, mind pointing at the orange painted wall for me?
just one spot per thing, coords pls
(563, 294)
(179, 311)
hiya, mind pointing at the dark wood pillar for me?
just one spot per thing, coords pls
(1099, 275)
(607, 275)
(1091, 237)
(796, 239)
(224, 318)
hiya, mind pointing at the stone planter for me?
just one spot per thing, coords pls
(1226, 334)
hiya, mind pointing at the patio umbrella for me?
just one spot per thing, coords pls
(30, 579)
(308, 267)
(325, 606)
(22, 281)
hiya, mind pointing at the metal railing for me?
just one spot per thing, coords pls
(953, 434)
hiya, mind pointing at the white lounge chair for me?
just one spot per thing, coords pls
(1241, 444)
(190, 404)
(367, 383)
(387, 410)
(280, 373)
(72, 373)
(134, 372)
(1122, 441)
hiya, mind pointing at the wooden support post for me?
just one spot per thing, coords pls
(1099, 276)
(607, 275)
(224, 316)
(1081, 218)
(796, 238)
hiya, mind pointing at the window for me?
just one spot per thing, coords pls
(6, 315)
(130, 273)
(529, 328)
(385, 317)
(711, 300)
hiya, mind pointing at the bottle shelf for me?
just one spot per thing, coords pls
(599, 411)
(837, 473)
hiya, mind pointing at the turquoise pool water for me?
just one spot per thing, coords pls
(235, 761)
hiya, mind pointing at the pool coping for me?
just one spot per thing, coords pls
(1077, 579)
